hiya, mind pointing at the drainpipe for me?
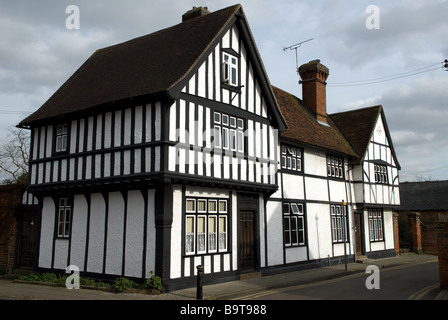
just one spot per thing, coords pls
(350, 170)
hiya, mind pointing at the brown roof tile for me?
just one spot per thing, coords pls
(146, 65)
(357, 126)
(304, 128)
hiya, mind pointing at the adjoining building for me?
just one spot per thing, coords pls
(173, 150)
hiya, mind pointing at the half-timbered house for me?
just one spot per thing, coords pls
(173, 150)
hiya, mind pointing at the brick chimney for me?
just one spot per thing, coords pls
(314, 74)
(194, 13)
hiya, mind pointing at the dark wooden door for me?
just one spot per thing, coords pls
(247, 240)
(29, 226)
(358, 233)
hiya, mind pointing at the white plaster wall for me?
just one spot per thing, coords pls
(151, 232)
(176, 234)
(316, 189)
(337, 191)
(79, 232)
(46, 232)
(261, 231)
(389, 228)
(315, 162)
(274, 230)
(134, 234)
(292, 186)
(115, 227)
(96, 232)
(319, 234)
(61, 253)
(296, 254)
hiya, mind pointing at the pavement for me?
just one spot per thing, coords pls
(12, 290)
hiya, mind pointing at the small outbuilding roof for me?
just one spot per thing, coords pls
(424, 196)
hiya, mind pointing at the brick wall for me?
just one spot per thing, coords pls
(442, 246)
(10, 197)
(429, 239)
(415, 234)
(396, 234)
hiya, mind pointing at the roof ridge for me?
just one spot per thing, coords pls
(149, 64)
(380, 106)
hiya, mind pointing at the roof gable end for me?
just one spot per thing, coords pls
(150, 64)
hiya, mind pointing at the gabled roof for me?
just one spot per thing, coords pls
(358, 125)
(430, 195)
(147, 65)
(304, 128)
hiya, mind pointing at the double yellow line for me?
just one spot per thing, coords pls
(301, 286)
(421, 293)
(416, 296)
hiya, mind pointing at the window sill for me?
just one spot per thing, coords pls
(236, 89)
(295, 246)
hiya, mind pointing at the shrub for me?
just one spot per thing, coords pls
(154, 282)
(121, 284)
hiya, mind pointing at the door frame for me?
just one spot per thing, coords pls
(28, 216)
(249, 202)
(359, 234)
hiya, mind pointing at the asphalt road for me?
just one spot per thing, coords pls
(419, 282)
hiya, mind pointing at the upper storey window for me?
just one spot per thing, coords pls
(291, 158)
(229, 132)
(61, 138)
(335, 167)
(230, 69)
(381, 174)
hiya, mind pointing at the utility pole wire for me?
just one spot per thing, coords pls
(384, 79)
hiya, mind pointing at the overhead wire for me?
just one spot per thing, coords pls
(389, 77)
(14, 112)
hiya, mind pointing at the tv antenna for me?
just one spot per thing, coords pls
(295, 47)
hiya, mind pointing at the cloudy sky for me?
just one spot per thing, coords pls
(398, 65)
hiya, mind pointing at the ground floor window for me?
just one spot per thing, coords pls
(64, 215)
(376, 224)
(293, 224)
(338, 223)
(206, 225)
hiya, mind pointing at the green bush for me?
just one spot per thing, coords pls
(154, 282)
(33, 276)
(121, 284)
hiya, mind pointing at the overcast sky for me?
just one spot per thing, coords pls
(38, 54)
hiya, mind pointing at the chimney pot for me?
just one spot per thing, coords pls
(314, 74)
(194, 13)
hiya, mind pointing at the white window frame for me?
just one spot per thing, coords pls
(293, 217)
(212, 239)
(61, 138)
(291, 158)
(212, 235)
(190, 236)
(230, 69)
(337, 213)
(201, 237)
(64, 217)
(335, 167)
(381, 175)
(376, 230)
(228, 132)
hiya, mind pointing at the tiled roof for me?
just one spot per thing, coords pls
(429, 195)
(357, 126)
(304, 128)
(147, 65)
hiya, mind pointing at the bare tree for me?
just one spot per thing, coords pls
(14, 156)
